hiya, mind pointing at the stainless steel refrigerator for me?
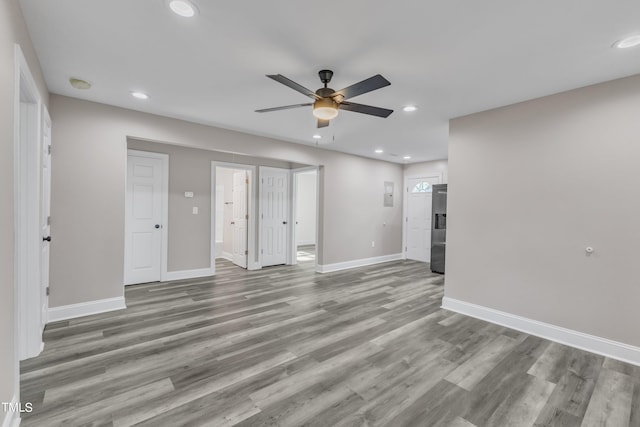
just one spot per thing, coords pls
(438, 227)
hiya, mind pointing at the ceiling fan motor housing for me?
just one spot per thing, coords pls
(325, 76)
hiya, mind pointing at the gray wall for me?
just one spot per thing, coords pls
(189, 239)
(531, 186)
(306, 208)
(88, 186)
(12, 30)
(429, 168)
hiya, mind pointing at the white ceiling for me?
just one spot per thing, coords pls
(448, 57)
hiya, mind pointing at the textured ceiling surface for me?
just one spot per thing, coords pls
(450, 58)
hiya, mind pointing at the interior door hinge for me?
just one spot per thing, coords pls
(49, 149)
(261, 251)
(246, 216)
(246, 180)
(49, 220)
(48, 291)
(246, 252)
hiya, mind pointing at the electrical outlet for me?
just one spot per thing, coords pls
(373, 243)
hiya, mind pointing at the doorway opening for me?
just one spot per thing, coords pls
(305, 198)
(233, 217)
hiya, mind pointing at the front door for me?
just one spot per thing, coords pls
(240, 218)
(274, 206)
(143, 249)
(419, 199)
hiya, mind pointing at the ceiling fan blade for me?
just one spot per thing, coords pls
(286, 107)
(365, 109)
(367, 85)
(293, 85)
(323, 123)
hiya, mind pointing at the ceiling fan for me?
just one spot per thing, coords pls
(327, 101)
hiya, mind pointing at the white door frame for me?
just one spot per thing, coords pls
(253, 261)
(28, 110)
(292, 256)
(289, 257)
(405, 204)
(164, 227)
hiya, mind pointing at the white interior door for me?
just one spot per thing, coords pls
(419, 199)
(143, 249)
(45, 215)
(274, 207)
(240, 218)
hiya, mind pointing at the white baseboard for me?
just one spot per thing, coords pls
(306, 243)
(602, 346)
(328, 268)
(85, 309)
(11, 418)
(188, 274)
(227, 255)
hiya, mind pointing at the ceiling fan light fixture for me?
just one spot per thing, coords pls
(325, 109)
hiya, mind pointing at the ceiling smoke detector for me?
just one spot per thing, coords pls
(79, 83)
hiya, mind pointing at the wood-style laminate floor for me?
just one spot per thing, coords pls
(286, 346)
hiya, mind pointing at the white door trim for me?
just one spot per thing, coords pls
(164, 230)
(27, 324)
(290, 223)
(253, 260)
(26, 150)
(405, 204)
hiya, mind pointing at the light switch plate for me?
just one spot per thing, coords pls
(195, 210)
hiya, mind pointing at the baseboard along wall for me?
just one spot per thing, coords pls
(328, 268)
(594, 344)
(72, 311)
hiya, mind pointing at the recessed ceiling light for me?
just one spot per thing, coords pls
(140, 95)
(628, 42)
(316, 136)
(406, 157)
(410, 108)
(184, 8)
(79, 83)
(379, 151)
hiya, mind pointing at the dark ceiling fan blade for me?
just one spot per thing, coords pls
(323, 123)
(286, 107)
(365, 109)
(367, 85)
(293, 85)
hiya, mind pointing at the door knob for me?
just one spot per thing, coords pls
(46, 239)
(284, 222)
(157, 226)
(233, 222)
